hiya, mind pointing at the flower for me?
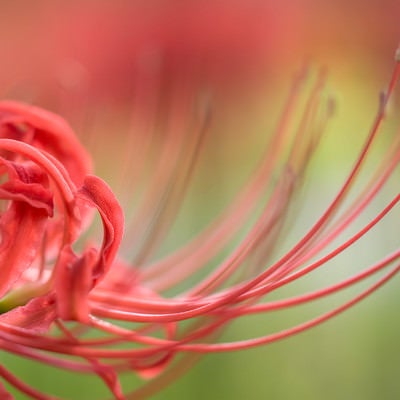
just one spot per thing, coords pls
(82, 306)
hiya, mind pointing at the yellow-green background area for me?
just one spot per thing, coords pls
(354, 356)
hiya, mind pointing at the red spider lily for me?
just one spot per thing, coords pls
(51, 295)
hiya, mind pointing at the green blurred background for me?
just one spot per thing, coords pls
(60, 56)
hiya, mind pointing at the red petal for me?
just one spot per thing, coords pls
(23, 223)
(47, 131)
(100, 196)
(37, 315)
(73, 282)
(4, 395)
(27, 183)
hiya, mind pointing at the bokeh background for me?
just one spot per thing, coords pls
(103, 66)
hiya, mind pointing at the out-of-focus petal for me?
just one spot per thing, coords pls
(4, 395)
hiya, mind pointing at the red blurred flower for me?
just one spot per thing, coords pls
(52, 294)
(210, 42)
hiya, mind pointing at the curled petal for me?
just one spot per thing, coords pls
(27, 183)
(46, 131)
(76, 276)
(23, 223)
(99, 195)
